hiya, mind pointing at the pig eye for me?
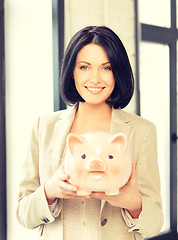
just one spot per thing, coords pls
(110, 156)
(83, 156)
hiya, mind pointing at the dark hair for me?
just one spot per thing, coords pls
(117, 55)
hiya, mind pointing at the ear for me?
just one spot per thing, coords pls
(73, 140)
(119, 139)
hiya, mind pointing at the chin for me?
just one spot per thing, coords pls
(95, 101)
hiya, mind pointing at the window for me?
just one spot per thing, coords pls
(154, 95)
(158, 96)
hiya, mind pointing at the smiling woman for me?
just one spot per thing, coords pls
(104, 41)
(95, 75)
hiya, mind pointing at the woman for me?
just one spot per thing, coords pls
(97, 78)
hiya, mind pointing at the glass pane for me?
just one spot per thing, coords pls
(154, 98)
(155, 12)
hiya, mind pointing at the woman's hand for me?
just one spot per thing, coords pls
(128, 197)
(58, 187)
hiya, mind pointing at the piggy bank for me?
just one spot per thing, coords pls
(97, 161)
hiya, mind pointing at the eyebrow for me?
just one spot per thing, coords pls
(90, 63)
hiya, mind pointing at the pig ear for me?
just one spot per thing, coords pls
(73, 140)
(119, 139)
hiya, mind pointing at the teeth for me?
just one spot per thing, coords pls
(95, 90)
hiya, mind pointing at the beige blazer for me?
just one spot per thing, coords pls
(46, 147)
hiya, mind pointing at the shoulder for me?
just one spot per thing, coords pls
(136, 120)
(139, 125)
(53, 117)
(50, 117)
(46, 124)
(142, 132)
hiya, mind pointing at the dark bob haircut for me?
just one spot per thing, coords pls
(117, 55)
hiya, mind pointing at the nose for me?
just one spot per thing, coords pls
(96, 165)
(95, 78)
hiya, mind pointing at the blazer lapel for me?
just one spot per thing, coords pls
(120, 123)
(62, 129)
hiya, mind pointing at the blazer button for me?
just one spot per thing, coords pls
(136, 230)
(46, 220)
(104, 222)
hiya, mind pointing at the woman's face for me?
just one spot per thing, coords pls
(93, 75)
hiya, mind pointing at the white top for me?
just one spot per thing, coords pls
(81, 219)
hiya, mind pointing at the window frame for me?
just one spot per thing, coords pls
(169, 36)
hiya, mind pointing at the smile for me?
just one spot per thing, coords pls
(95, 90)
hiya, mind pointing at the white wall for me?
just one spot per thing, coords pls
(29, 88)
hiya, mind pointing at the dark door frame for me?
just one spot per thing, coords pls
(3, 206)
(58, 49)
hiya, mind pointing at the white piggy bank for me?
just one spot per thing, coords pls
(97, 161)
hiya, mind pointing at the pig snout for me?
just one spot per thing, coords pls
(96, 166)
(96, 169)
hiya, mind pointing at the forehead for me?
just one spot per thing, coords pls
(91, 53)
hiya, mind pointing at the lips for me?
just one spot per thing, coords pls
(94, 90)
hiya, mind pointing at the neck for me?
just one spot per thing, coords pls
(91, 118)
(94, 110)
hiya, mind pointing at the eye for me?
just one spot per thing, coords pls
(84, 67)
(107, 68)
(110, 156)
(83, 156)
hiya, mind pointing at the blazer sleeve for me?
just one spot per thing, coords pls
(32, 207)
(148, 179)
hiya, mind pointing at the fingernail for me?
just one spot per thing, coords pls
(66, 177)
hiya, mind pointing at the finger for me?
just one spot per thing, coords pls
(132, 178)
(63, 176)
(133, 173)
(63, 192)
(68, 187)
